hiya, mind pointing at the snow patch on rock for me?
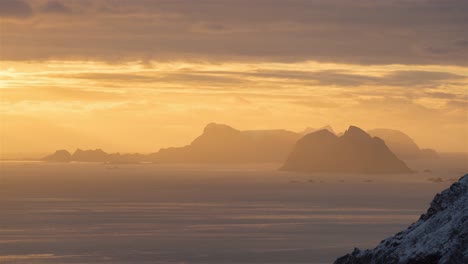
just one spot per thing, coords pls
(440, 236)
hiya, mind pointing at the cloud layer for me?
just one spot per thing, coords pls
(357, 32)
(168, 103)
(139, 71)
(15, 9)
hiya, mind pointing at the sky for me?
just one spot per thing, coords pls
(135, 76)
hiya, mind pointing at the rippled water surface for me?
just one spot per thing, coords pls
(97, 213)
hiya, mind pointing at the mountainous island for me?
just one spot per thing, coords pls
(355, 151)
(217, 144)
(402, 145)
(440, 236)
(221, 143)
(96, 155)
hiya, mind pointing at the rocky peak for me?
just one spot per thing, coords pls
(324, 133)
(214, 134)
(59, 156)
(354, 132)
(308, 130)
(214, 127)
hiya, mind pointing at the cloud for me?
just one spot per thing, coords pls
(316, 103)
(214, 28)
(55, 7)
(462, 43)
(204, 78)
(441, 95)
(109, 77)
(272, 78)
(352, 32)
(326, 77)
(154, 77)
(398, 78)
(420, 78)
(459, 104)
(52, 94)
(15, 9)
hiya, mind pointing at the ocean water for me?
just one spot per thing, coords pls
(100, 213)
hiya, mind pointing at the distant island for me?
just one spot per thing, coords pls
(217, 144)
(221, 143)
(96, 155)
(355, 151)
(440, 236)
(402, 145)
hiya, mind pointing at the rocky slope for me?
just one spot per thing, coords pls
(355, 151)
(440, 236)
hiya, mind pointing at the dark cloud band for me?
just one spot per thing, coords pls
(354, 32)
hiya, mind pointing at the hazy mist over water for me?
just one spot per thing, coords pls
(147, 213)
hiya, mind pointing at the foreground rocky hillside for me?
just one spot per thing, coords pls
(440, 236)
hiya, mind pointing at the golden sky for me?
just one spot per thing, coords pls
(134, 76)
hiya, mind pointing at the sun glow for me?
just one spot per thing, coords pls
(168, 103)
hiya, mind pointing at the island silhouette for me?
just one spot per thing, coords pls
(223, 144)
(96, 155)
(402, 145)
(310, 150)
(355, 151)
(218, 143)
